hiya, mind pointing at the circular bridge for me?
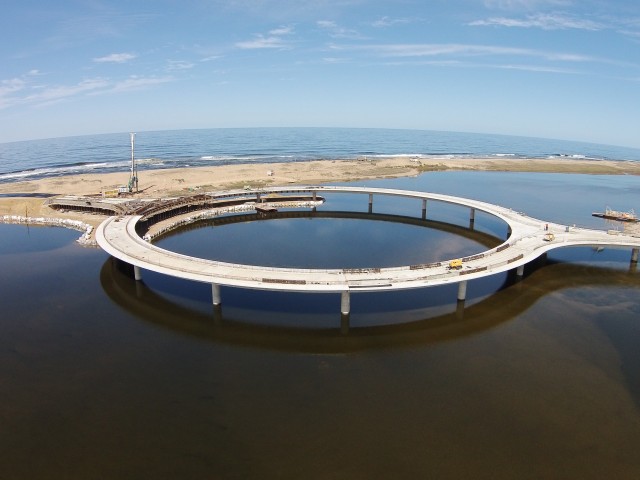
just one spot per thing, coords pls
(529, 238)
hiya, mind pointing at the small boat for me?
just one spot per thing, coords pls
(610, 214)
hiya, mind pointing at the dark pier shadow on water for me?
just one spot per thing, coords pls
(513, 299)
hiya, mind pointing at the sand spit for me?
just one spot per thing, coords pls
(26, 200)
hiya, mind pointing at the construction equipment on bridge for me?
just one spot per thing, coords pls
(455, 264)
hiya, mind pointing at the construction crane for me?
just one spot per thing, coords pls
(133, 176)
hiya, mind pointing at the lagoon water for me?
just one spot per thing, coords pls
(103, 378)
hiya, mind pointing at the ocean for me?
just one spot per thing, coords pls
(184, 148)
(103, 377)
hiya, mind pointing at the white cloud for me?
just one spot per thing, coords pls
(282, 31)
(273, 40)
(12, 85)
(538, 68)
(135, 82)
(524, 4)
(18, 91)
(384, 22)
(211, 58)
(262, 42)
(336, 31)
(544, 21)
(334, 60)
(452, 49)
(115, 58)
(49, 95)
(179, 65)
(326, 24)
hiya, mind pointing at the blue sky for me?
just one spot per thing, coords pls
(547, 68)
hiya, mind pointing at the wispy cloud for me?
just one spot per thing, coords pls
(275, 38)
(20, 91)
(136, 82)
(7, 89)
(49, 95)
(539, 69)
(281, 31)
(115, 58)
(524, 4)
(335, 60)
(210, 58)
(10, 87)
(545, 21)
(336, 31)
(262, 42)
(173, 65)
(446, 49)
(384, 22)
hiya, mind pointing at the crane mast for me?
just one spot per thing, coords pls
(133, 177)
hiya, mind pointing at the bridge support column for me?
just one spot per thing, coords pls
(462, 291)
(424, 208)
(137, 274)
(315, 195)
(634, 255)
(258, 198)
(345, 303)
(370, 202)
(215, 293)
(520, 271)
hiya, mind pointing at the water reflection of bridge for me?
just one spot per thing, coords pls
(502, 306)
(528, 239)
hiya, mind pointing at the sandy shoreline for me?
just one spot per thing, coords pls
(185, 181)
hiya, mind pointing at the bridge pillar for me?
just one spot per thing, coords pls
(137, 274)
(462, 290)
(258, 198)
(472, 215)
(314, 196)
(634, 255)
(424, 208)
(520, 271)
(370, 202)
(345, 303)
(215, 293)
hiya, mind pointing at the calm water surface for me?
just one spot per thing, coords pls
(103, 378)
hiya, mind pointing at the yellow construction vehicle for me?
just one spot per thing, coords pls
(455, 264)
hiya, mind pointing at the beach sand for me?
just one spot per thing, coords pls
(185, 181)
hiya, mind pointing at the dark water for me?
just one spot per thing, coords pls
(328, 240)
(103, 378)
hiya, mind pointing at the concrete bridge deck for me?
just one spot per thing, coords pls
(118, 237)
